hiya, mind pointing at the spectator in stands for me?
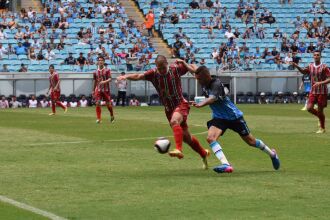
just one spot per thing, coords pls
(217, 4)
(279, 98)
(229, 34)
(194, 4)
(14, 103)
(310, 48)
(26, 44)
(209, 4)
(63, 24)
(297, 23)
(3, 51)
(174, 18)
(3, 35)
(20, 49)
(176, 47)
(277, 34)
(270, 19)
(4, 69)
(23, 69)
(81, 60)
(83, 102)
(50, 54)
(288, 60)
(33, 103)
(150, 22)
(313, 10)
(262, 19)
(154, 4)
(4, 103)
(31, 54)
(269, 59)
(70, 60)
(302, 48)
(40, 55)
(19, 34)
(295, 58)
(134, 102)
(239, 13)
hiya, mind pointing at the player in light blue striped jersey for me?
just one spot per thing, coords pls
(225, 115)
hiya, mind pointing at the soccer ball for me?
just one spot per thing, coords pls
(162, 145)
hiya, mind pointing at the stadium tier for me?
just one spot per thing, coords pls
(256, 27)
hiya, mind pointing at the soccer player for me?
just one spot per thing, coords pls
(101, 89)
(225, 115)
(55, 90)
(320, 77)
(306, 82)
(167, 81)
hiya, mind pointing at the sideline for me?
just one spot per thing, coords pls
(30, 208)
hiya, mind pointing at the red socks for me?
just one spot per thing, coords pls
(322, 119)
(110, 109)
(98, 112)
(178, 136)
(53, 107)
(196, 146)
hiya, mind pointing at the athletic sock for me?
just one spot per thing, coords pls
(322, 120)
(217, 150)
(262, 146)
(60, 104)
(110, 110)
(53, 107)
(98, 112)
(178, 136)
(196, 146)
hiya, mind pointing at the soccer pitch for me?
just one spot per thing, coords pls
(70, 166)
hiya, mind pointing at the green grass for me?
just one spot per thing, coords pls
(9, 212)
(97, 176)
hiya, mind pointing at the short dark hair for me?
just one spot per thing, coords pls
(201, 70)
(101, 57)
(318, 51)
(160, 58)
(51, 66)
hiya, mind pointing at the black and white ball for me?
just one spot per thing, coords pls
(162, 145)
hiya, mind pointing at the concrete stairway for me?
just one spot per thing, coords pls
(35, 4)
(133, 11)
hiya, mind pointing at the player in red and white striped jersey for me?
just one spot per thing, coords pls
(55, 90)
(320, 77)
(101, 89)
(167, 81)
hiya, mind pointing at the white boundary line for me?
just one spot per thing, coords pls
(114, 140)
(30, 208)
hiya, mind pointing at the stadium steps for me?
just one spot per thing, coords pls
(35, 4)
(132, 10)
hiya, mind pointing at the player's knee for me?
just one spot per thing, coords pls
(210, 139)
(174, 122)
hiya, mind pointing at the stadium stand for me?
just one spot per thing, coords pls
(92, 28)
(236, 35)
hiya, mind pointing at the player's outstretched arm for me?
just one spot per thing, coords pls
(301, 70)
(133, 77)
(206, 102)
(191, 67)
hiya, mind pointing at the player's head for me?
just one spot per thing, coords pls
(51, 68)
(203, 75)
(101, 61)
(161, 63)
(317, 56)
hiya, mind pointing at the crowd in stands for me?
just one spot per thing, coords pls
(73, 34)
(243, 27)
(44, 102)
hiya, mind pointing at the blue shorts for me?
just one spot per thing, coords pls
(239, 125)
(307, 87)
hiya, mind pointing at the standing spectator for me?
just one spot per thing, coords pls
(4, 103)
(150, 23)
(122, 88)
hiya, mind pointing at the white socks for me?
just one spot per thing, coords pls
(217, 150)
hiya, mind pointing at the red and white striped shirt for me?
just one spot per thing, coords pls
(102, 75)
(168, 85)
(53, 80)
(318, 73)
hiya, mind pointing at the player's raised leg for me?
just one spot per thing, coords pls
(175, 122)
(252, 141)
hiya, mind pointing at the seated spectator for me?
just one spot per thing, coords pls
(154, 4)
(262, 19)
(3, 35)
(295, 58)
(269, 59)
(81, 60)
(277, 34)
(70, 60)
(44, 103)
(33, 103)
(284, 47)
(20, 49)
(19, 34)
(270, 19)
(262, 99)
(297, 23)
(14, 103)
(174, 18)
(83, 102)
(204, 24)
(3, 51)
(194, 4)
(4, 103)
(217, 4)
(176, 47)
(310, 48)
(229, 34)
(23, 69)
(31, 54)
(134, 102)
(209, 4)
(4, 69)
(239, 13)
(63, 24)
(50, 54)
(288, 60)
(302, 48)
(73, 103)
(279, 98)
